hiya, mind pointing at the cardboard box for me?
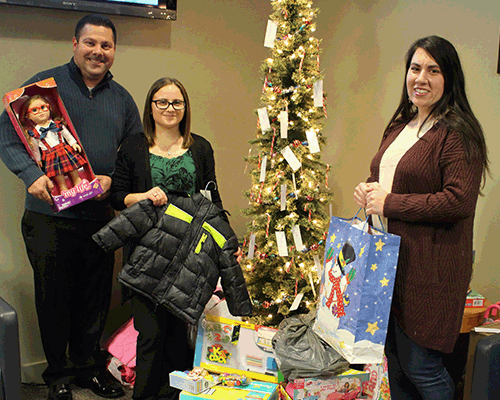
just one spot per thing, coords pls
(191, 384)
(346, 385)
(37, 145)
(474, 300)
(377, 386)
(236, 347)
(283, 395)
(255, 391)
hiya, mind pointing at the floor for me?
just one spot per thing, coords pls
(41, 392)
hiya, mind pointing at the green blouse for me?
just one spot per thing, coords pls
(174, 174)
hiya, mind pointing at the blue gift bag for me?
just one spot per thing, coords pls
(357, 283)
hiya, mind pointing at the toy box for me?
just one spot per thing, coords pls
(227, 345)
(282, 394)
(255, 391)
(55, 147)
(474, 299)
(192, 384)
(345, 386)
(377, 386)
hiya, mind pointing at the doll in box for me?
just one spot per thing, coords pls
(60, 150)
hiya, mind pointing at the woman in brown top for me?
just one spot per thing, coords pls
(425, 180)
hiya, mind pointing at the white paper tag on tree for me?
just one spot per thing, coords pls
(283, 117)
(251, 246)
(291, 158)
(317, 262)
(263, 166)
(311, 281)
(312, 139)
(281, 241)
(296, 302)
(272, 28)
(318, 93)
(264, 119)
(297, 237)
(283, 198)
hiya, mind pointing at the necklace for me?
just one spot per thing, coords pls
(169, 150)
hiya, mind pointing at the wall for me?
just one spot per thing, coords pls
(215, 48)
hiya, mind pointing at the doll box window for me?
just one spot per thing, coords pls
(44, 126)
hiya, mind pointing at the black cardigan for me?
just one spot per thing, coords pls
(133, 170)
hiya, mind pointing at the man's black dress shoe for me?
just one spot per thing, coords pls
(60, 391)
(103, 385)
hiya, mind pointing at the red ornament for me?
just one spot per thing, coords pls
(263, 256)
(266, 304)
(314, 247)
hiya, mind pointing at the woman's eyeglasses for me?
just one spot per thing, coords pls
(38, 110)
(163, 104)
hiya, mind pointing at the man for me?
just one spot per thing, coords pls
(73, 277)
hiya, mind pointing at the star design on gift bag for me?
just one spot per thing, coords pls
(379, 245)
(362, 251)
(374, 267)
(372, 328)
(332, 238)
(384, 282)
(342, 344)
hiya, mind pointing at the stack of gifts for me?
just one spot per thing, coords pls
(241, 356)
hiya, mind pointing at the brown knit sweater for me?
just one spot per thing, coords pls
(432, 207)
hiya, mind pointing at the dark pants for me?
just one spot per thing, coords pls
(415, 372)
(162, 347)
(73, 280)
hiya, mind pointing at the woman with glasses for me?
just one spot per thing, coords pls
(167, 158)
(60, 150)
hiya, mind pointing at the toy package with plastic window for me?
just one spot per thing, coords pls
(231, 346)
(44, 126)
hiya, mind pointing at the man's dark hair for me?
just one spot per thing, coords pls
(96, 20)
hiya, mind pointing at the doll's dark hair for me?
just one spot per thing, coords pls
(149, 122)
(96, 20)
(452, 109)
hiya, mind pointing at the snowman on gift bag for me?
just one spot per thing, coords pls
(338, 278)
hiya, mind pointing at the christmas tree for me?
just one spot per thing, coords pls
(289, 197)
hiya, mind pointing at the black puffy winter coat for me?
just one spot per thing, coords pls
(181, 250)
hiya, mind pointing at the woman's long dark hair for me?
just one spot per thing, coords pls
(453, 109)
(149, 122)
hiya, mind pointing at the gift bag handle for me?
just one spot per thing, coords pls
(366, 219)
